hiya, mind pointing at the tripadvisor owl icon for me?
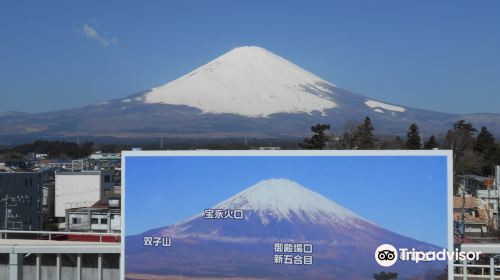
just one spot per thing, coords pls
(386, 255)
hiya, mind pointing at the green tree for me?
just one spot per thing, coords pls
(497, 154)
(11, 155)
(393, 143)
(365, 139)
(385, 276)
(486, 148)
(348, 139)
(413, 140)
(319, 138)
(56, 149)
(431, 143)
(398, 143)
(485, 141)
(461, 137)
(461, 140)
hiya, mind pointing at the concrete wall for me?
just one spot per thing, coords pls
(4, 266)
(116, 222)
(85, 222)
(80, 189)
(110, 267)
(48, 198)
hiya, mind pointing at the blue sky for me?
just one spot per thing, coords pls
(437, 55)
(404, 194)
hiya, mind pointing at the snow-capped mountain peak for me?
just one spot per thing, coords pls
(223, 249)
(248, 81)
(283, 199)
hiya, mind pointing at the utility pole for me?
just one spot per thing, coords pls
(6, 201)
(462, 218)
(497, 194)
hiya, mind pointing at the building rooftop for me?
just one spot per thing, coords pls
(80, 172)
(466, 202)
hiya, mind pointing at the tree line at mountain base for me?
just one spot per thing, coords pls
(472, 154)
(475, 152)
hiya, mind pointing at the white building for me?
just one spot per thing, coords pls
(81, 189)
(105, 156)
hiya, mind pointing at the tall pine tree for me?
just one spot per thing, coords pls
(485, 141)
(413, 138)
(319, 138)
(461, 139)
(486, 148)
(431, 143)
(364, 135)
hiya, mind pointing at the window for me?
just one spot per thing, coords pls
(94, 221)
(104, 221)
(75, 221)
(114, 202)
(107, 179)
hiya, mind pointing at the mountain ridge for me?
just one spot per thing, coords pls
(248, 93)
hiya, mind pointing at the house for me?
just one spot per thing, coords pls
(15, 163)
(103, 216)
(489, 200)
(486, 190)
(474, 217)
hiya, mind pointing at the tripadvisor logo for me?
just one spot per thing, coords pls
(387, 255)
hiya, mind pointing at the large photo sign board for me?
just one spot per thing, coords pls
(284, 214)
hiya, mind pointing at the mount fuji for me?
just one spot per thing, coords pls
(274, 210)
(248, 91)
(250, 82)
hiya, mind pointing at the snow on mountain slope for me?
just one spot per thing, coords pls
(248, 81)
(275, 201)
(281, 199)
(380, 105)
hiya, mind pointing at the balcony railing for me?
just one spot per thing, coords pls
(485, 271)
(59, 235)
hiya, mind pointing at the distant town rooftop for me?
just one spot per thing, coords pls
(81, 172)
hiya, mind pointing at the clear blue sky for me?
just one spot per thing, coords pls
(437, 55)
(404, 194)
